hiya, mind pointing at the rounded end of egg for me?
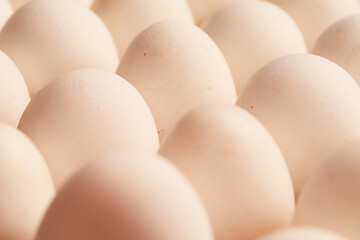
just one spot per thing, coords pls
(252, 33)
(53, 43)
(84, 113)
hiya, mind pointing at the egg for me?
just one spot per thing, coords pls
(313, 17)
(310, 105)
(204, 9)
(14, 95)
(331, 199)
(302, 233)
(84, 113)
(176, 67)
(16, 4)
(127, 18)
(128, 196)
(237, 169)
(26, 187)
(252, 33)
(48, 38)
(5, 12)
(339, 43)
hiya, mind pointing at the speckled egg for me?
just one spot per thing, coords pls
(176, 67)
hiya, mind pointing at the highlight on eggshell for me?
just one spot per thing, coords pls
(126, 195)
(340, 44)
(127, 18)
(14, 95)
(336, 187)
(176, 67)
(44, 42)
(26, 187)
(237, 169)
(315, 16)
(310, 105)
(250, 34)
(5, 12)
(303, 233)
(85, 113)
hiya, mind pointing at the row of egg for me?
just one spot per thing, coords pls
(307, 103)
(261, 32)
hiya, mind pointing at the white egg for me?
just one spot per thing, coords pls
(127, 18)
(237, 169)
(340, 44)
(47, 38)
(311, 107)
(176, 67)
(127, 196)
(331, 198)
(14, 95)
(26, 187)
(314, 16)
(252, 33)
(83, 114)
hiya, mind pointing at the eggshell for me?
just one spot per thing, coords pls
(313, 17)
(85, 113)
(16, 4)
(176, 67)
(204, 9)
(127, 18)
(14, 95)
(302, 233)
(331, 199)
(5, 12)
(128, 196)
(47, 38)
(252, 33)
(26, 187)
(310, 106)
(340, 44)
(237, 169)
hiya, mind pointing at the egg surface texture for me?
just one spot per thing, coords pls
(127, 18)
(128, 196)
(246, 191)
(310, 106)
(47, 38)
(252, 33)
(83, 114)
(314, 16)
(340, 44)
(14, 95)
(302, 233)
(176, 67)
(26, 187)
(331, 199)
